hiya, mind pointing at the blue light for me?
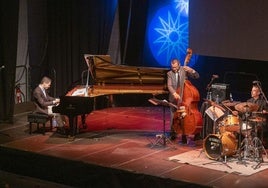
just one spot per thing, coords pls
(167, 33)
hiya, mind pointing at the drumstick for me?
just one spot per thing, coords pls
(215, 104)
(235, 113)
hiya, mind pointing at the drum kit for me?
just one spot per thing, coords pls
(226, 139)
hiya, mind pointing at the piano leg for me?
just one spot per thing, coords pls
(83, 119)
(72, 127)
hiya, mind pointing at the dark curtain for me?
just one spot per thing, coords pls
(37, 41)
(8, 50)
(61, 33)
(133, 21)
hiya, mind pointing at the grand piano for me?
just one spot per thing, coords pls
(104, 82)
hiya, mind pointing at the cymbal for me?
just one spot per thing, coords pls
(231, 103)
(257, 119)
(246, 107)
(260, 113)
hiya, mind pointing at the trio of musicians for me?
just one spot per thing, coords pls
(252, 113)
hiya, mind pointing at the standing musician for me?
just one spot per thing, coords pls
(174, 82)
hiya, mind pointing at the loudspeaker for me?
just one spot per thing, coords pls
(220, 92)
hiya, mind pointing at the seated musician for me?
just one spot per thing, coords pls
(173, 83)
(257, 98)
(44, 102)
(259, 117)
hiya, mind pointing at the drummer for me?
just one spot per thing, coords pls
(257, 98)
(260, 110)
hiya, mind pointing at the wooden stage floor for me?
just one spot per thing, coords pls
(107, 157)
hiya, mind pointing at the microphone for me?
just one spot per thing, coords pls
(2, 67)
(214, 76)
(87, 57)
(256, 82)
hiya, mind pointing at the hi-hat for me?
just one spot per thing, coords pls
(246, 107)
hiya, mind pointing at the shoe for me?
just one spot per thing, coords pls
(61, 130)
(184, 139)
(173, 137)
(182, 143)
(191, 143)
(54, 129)
(71, 138)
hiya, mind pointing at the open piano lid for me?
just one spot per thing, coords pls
(104, 71)
(110, 78)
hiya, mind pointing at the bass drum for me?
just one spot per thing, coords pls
(216, 145)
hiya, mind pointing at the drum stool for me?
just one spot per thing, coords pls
(39, 118)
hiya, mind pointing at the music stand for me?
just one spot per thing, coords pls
(214, 113)
(162, 139)
(90, 67)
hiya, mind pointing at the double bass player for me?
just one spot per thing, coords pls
(175, 80)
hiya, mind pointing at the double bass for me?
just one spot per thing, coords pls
(187, 119)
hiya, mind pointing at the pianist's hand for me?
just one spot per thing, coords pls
(56, 101)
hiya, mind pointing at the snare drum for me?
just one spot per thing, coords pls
(231, 123)
(231, 120)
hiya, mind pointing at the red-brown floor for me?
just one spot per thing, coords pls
(115, 150)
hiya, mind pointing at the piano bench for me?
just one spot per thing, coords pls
(39, 118)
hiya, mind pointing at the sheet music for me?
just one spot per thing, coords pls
(79, 92)
(214, 112)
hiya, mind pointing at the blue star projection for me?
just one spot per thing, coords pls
(167, 32)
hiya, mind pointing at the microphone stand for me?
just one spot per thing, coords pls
(210, 83)
(89, 71)
(86, 93)
(206, 106)
(257, 143)
(263, 95)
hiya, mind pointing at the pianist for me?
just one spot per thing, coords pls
(44, 102)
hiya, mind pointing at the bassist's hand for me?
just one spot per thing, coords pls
(176, 96)
(188, 69)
